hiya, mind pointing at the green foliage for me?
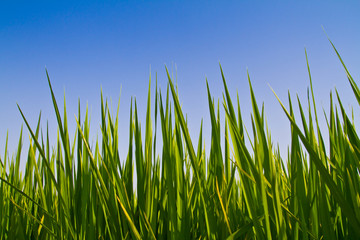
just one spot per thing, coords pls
(236, 192)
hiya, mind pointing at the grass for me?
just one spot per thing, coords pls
(237, 192)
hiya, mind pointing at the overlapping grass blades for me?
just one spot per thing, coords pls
(237, 192)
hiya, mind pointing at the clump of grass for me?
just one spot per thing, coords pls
(234, 193)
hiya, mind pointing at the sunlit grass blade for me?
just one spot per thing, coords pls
(132, 225)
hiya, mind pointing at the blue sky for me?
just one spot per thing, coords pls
(91, 45)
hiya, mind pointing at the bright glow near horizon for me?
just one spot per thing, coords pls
(92, 45)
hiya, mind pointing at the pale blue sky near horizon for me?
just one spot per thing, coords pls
(89, 45)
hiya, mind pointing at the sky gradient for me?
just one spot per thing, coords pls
(88, 46)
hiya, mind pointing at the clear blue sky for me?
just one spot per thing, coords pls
(88, 45)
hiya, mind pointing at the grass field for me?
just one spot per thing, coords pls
(236, 192)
